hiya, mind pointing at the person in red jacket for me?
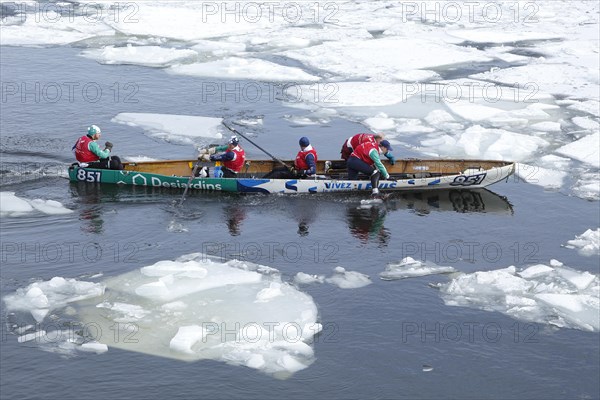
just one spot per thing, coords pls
(353, 142)
(305, 164)
(88, 152)
(232, 156)
(365, 159)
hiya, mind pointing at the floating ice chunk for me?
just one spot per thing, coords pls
(14, 206)
(351, 94)
(548, 178)
(305, 279)
(348, 279)
(48, 28)
(547, 126)
(586, 123)
(271, 336)
(388, 55)
(267, 294)
(586, 149)
(589, 106)
(149, 56)
(94, 347)
(561, 79)
(439, 117)
(588, 186)
(178, 128)
(471, 111)
(580, 310)
(480, 142)
(588, 243)
(484, 35)
(546, 294)
(245, 68)
(37, 336)
(189, 22)
(218, 48)
(535, 271)
(410, 268)
(380, 122)
(186, 337)
(40, 298)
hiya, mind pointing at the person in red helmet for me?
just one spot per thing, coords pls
(365, 159)
(88, 152)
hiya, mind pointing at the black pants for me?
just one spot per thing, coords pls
(280, 173)
(356, 166)
(112, 162)
(227, 173)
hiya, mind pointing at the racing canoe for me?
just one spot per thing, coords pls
(331, 176)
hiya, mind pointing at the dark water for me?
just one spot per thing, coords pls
(365, 350)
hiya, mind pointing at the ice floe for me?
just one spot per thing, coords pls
(192, 308)
(348, 279)
(149, 56)
(174, 128)
(480, 142)
(12, 205)
(588, 243)
(388, 55)
(550, 294)
(244, 68)
(586, 149)
(411, 268)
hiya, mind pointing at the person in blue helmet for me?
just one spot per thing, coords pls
(305, 164)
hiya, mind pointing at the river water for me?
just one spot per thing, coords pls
(390, 339)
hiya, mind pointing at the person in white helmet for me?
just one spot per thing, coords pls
(88, 152)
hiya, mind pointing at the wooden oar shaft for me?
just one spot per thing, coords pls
(260, 148)
(187, 187)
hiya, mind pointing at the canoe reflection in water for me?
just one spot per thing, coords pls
(367, 220)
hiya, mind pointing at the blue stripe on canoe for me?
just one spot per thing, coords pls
(436, 182)
(250, 185)
(291, 185)
(312, 189)
(411, 182)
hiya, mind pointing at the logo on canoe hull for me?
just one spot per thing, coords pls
(201, 185)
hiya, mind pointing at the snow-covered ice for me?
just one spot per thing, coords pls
(586, 149)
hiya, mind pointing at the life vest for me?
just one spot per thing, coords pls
(359, 139)
(300, 162)
(363, 150)
(82, 150)
(238, 161)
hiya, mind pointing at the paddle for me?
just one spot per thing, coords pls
(260, 148)
(187, 187)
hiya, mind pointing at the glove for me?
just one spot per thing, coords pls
(391, 158)
(211, 157)
(204, 157)
(108, 146)
(293, 171)
(210, 150)
(387, 177)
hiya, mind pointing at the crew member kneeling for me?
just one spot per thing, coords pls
(233, 157)
(365, 159)
(88, 153)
